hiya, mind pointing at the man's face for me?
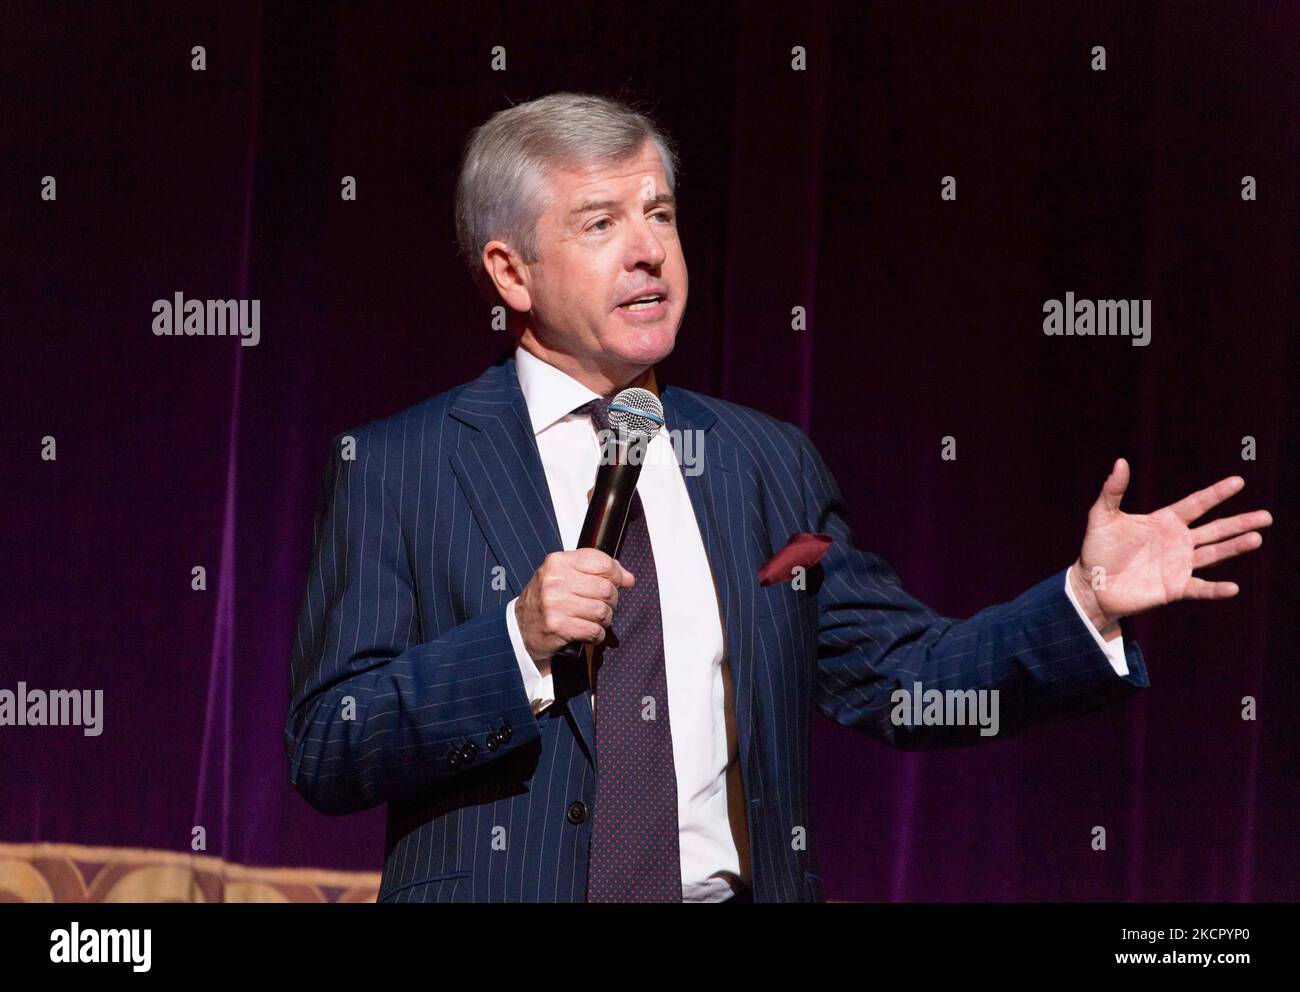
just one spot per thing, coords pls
(608, 234)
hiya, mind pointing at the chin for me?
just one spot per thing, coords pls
(643, 357)
(642, 345)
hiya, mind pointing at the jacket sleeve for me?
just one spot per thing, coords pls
(875, 640)
(374, 714)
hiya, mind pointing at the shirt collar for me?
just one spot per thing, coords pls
(550, 393)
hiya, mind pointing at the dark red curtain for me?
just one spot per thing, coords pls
(816, 188)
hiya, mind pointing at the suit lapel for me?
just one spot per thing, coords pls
(500, 471)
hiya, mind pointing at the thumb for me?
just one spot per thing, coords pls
(1112, 490)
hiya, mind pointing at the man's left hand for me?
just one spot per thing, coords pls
(1132, 562)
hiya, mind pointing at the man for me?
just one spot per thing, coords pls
(674, 768)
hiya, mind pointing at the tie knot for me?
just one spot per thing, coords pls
(598, 410)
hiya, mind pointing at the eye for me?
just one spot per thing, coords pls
(603, 220)
(666, 215)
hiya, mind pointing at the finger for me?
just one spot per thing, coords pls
(1203, 501)
(1212, 554)
(593, 561)
(1217, 530)
(1112, 490)
(595, 587)
(583, 630)
(1200, 589)
(621, 577)
(595, 610)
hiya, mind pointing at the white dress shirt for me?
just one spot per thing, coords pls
(692, 619)
(706, 761)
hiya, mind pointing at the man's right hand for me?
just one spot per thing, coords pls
(570, 598)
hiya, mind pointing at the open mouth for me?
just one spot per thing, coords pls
(641, 304)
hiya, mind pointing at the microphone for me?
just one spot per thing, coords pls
(635, 416)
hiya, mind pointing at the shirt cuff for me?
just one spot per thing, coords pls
(1114, 650)
(540, 688)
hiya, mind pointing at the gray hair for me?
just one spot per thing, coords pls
(502, 187)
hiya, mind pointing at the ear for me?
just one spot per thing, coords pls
(508, 273)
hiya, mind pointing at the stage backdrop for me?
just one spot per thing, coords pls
(815, 149)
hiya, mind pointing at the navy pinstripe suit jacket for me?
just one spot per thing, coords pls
(406, 691)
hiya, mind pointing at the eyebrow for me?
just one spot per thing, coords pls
(592, 205)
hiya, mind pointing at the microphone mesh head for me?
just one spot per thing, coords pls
(636, 413)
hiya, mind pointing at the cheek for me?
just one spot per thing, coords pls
(596, 279)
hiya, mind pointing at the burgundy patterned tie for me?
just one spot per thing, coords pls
(634, 838)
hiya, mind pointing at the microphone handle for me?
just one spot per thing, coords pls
(606, 518)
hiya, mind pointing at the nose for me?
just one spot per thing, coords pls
(645, 245)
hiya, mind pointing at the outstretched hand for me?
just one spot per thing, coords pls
(1132, 562)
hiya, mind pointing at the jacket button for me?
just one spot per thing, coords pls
(453, 757)
(504, 732)
(468, 751)
(493, 742)
(577, 811)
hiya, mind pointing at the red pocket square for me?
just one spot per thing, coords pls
(802, 549)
